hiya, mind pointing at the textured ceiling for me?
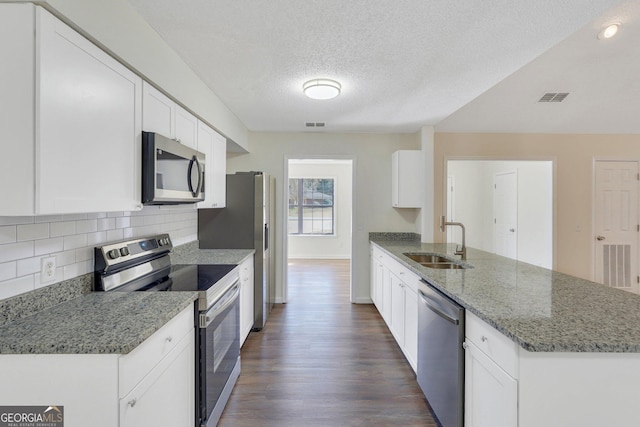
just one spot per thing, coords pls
(601, 77)
(403, 64)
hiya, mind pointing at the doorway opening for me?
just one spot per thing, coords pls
(507, 207)
(319, 220)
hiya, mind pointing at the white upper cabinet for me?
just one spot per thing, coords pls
(158, 112)
(186, 128)
(406, 179)
(214, 146)
(162, 115)
(71, 120)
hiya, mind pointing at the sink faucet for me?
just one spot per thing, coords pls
(462, 250)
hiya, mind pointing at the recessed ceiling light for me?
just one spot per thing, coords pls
(321, 88)
(609, 31)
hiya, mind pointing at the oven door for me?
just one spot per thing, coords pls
(172, 173)
(219, 350)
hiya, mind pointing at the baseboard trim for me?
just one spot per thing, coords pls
(363, 300)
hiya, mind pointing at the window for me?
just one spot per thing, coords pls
(311, 206)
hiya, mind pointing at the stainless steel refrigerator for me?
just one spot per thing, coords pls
(246, 223)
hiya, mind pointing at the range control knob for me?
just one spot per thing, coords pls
(113, 254)
(124, 251)
(164, 241)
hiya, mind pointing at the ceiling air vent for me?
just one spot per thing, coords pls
(554, 97)
(314, 124)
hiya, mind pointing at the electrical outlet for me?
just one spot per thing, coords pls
(47, 269)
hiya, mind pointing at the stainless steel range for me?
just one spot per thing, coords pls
(144, 265)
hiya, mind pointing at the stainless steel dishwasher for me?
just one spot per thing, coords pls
(441, 355)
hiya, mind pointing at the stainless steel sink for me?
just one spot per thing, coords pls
(428, 258)
(443, 265)
(435, 261)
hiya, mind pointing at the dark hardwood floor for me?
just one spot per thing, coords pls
(322, 361)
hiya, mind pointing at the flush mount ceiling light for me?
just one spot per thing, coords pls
(321, 88)
(609, 31)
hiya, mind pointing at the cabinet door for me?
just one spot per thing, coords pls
(385, 292)
(166, 396)
(411, 326)
(397, 309)
(246, 298)
(186, 128)
(373, 270)
(158, 112)
(214, 146)
(17, 112)
(406, 170)
(88, 133)
(491, 395)
(219, 172)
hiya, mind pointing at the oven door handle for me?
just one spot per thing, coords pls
(209, 316)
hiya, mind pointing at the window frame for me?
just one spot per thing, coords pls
(301, 207)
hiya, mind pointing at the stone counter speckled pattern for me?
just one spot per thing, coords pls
(540, 309)
(190, 253)
(99, 323)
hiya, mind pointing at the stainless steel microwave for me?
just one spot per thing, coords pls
(172, 173)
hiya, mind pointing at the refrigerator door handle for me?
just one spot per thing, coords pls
(266, 237)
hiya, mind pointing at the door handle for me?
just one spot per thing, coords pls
(600, 237)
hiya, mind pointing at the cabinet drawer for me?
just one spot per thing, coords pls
(135, 365)
(405, 275)
(495, 345)
(246, 270)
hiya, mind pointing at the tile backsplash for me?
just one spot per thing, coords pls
(24, 241)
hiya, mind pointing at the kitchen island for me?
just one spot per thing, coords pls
(551, 349)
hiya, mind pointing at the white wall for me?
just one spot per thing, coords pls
(372, 210)
(474, 205)
(24, 241)
(337, 246)
(116, 27)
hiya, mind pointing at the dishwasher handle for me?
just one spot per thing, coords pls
(434, 306)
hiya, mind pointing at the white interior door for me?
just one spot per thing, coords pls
(505, 211)
(616, 224)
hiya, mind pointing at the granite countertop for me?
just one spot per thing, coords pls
(98, 323)
(539, 309)
(67, 318)
(191, 253)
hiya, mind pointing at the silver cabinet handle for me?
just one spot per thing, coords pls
(169, 339)
(600, 237)
(513, 230)
(484, 339)
(132, 402)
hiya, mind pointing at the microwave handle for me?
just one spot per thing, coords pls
(197, 189)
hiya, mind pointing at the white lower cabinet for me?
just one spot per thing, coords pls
(396, 325)
(153, 385)
(491, 369)
(411, 326)
(246, 298)
(491, 395)
(394, 293)
(377, 274)
(164, 397)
